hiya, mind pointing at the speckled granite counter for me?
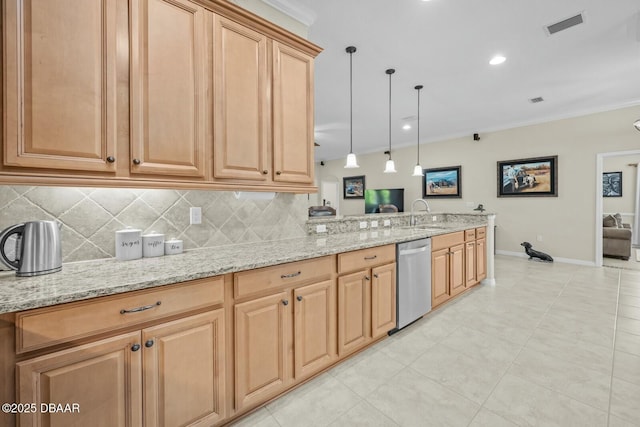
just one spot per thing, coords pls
(83, 280)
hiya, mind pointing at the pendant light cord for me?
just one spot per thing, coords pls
(418, 159)
(351, 102)
(390, 71)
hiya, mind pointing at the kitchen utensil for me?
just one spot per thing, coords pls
(152, 244)
(38, 248)
(128, 244)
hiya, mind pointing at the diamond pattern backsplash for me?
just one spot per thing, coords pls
(90, 216)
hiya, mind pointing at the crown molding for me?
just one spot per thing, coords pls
(293, 9)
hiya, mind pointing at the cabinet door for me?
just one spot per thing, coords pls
(470, 264)
(354, 311)
(292, 115)
(103, 378)
(481, 259)
(261, 340)
(314, 327)
(439, 276)
(383, 299)
(169, 74)
(456, 269)
(241, 111)
(60, 84)
(184, 371)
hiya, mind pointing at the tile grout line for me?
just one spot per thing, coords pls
(613, 348)
(518, 354)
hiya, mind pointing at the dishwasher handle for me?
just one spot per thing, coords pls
(414, 251)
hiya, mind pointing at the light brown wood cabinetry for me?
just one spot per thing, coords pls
(241, 110)
(283, 337)
(155, 93)
(59, 67)
(481, 254)
(165, 374)
(366, 297)
(169, 74)
(470, 262)
(447, 267)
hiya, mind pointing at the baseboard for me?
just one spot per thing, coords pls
(561, 260)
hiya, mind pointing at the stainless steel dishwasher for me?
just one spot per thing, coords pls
(413, 296)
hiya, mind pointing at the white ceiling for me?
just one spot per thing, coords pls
(446, 45)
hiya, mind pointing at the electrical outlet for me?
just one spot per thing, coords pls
(321, 228)
(363, 224)
(434, 218)
(374, 224)
(539, 237)
(387, 223)
(195, 215)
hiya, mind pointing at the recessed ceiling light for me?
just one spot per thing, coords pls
(498, 59)
(406, 127)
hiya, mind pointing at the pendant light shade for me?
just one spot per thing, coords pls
(352, 162)
(417, 170)
(636, 124)
(390, 166)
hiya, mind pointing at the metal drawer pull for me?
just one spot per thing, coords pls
(376, 275)
(299, 297)
(414, 251)
(138, 309)
(135, 347)
(367, 278)
(148, 344)
(288, 276)
(285, 302)
(371, 257)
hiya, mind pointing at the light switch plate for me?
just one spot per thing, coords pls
(321, 228)
(363, 224)
(195, 215)
(374, 224)
(387, 223)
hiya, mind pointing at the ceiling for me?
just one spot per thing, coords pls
(446, 46)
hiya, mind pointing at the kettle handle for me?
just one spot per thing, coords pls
(14, 229)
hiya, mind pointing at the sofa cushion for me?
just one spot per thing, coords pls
(617, 233)
(609, 221)
(618, 218)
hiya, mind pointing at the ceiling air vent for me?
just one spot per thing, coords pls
(536, 100)
(567, 23)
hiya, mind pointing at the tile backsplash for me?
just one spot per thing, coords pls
(90, 216)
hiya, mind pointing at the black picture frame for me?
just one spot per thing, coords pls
(612, 184)
(442, 183)
(531, 177)
(353, 187)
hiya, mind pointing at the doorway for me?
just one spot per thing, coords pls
(624, 203)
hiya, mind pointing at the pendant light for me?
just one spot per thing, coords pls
(352, 162)
(417, 170)
(390, 166)
(636, 124)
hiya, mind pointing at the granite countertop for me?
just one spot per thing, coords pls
(83, 280)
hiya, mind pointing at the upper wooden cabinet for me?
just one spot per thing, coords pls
(241, 111)
(292, 115)
(169, 74)
(59, 67)
(154, 93)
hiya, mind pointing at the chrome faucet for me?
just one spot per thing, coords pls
(412, 221)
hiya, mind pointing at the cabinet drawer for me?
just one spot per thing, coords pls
(365, 258)
(481, 232)
(469, 235)
(53, 325)
(290, 274)
(447, 240)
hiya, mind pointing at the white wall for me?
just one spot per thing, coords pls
(625, 204)
(273, 15)
(566, 222)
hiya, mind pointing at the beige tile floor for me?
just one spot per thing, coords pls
(548, 345)
(633, 263)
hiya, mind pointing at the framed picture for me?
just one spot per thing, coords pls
(353, 187)
(537, 176)
(442, 182)
(612, 184)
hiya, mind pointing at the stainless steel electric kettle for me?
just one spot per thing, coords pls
(38, 248)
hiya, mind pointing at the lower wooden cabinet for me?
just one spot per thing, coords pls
(383, 299)
(470, 262)
(264, 334)
(481, 259)
(176, 367)
(354, 312)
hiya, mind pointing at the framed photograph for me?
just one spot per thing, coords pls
(353, 187)
(537, 176)
(442, 182)
(612, 184)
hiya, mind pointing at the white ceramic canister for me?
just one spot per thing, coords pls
(152, 245)
(172, 247)
(128, 244)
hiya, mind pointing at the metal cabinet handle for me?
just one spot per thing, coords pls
(371, 257)
(149, 343)
(278, 173)
(299, 297)
(111, 159)
(375, 275)
(135, 347)
(288, 276)
(264, 172)
(285, 302)
(367, 278)
(136, 161)
(139, 309)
